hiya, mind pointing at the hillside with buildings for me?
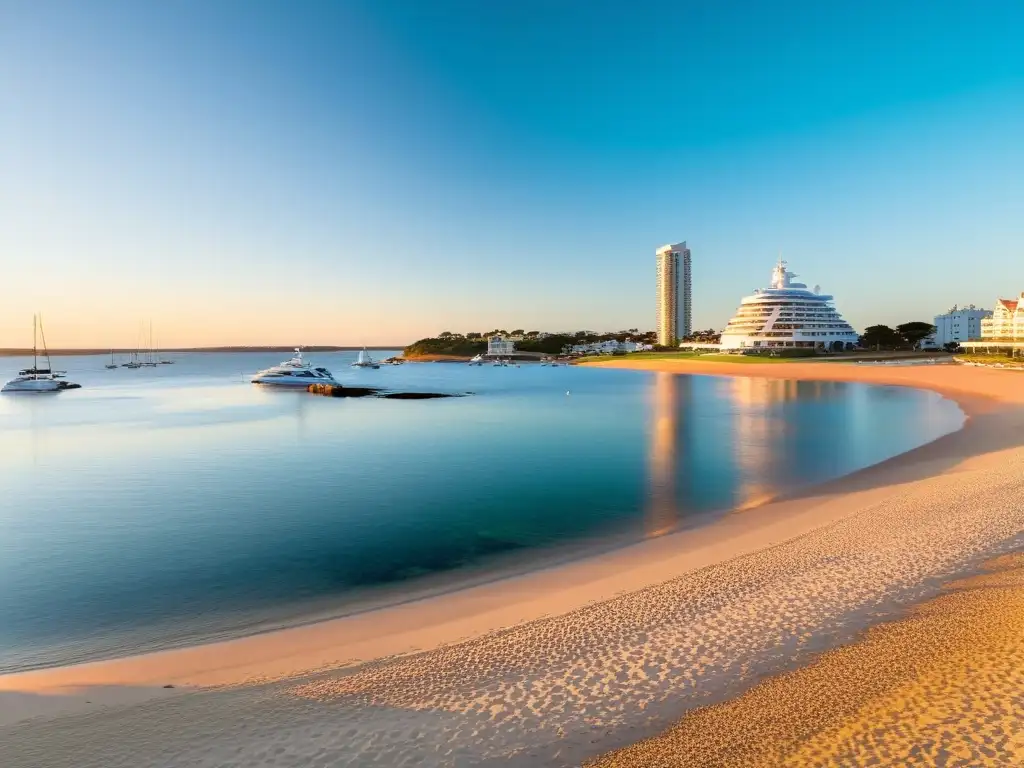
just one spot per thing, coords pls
(518, 343)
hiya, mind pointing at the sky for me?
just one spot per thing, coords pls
(375, 171)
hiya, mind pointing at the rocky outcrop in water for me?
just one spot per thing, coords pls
(337, 390)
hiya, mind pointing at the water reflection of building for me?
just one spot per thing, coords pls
(661, 514)
(778, 444)
(759, 436)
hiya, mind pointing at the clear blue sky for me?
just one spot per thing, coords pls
(376, 171)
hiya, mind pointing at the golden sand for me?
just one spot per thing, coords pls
(944, 686)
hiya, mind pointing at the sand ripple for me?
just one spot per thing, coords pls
(943, 687)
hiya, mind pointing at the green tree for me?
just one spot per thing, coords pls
(517, 332)
(915, 332)
(881, 337)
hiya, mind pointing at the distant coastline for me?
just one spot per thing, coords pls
(11, 352)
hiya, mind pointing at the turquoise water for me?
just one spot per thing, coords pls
(161, 506)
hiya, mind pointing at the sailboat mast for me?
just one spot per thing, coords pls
(46, 352)
(35, 325)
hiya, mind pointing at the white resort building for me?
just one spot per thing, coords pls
(1006, 322)
(787, 315)
(1003, 331)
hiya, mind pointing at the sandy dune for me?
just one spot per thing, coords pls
(566, 663)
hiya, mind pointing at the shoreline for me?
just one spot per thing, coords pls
(491, 574)
(454, 616)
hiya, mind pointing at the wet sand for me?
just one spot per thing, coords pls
(566, 663)
(943, 686)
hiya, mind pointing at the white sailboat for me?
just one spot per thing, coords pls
(36, 379)
(365, 361)
(133, 357)
(150, 361)
(476, 360)
(111, 364)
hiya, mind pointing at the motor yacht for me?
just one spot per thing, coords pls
(36, 379)
(365, 361)
(294, 373)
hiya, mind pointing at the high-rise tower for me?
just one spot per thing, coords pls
(674, 293)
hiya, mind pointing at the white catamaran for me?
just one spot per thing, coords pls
(36, 379)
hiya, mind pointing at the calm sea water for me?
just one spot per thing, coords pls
(159, 506)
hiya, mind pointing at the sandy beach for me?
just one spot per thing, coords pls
(943, 686)
(565, 664)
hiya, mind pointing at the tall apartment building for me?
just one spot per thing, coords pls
(674, 293)
(960, 324)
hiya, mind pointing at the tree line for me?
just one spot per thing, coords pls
(903, 336)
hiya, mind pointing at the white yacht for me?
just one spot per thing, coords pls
(476, 360)
(294, 373)
(36, 379)
(365, 361)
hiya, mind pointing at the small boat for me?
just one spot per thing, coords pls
(476, 360)
(36, 379)
(294, 373)
(111, 364)
(365, 361)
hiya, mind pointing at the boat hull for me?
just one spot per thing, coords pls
(37, 386)
(291, 382)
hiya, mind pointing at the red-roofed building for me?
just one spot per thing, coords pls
(1007, 321)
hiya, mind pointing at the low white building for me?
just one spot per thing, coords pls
(499, 346)
(960, 324)
(609, 347)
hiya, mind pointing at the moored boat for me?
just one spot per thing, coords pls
(37, 379)
(294, 373)
(365, 361)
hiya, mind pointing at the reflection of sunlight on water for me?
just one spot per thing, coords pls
(204, 398)
(757, 446)
(661, 506)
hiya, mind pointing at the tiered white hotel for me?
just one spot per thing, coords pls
(787, 315)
